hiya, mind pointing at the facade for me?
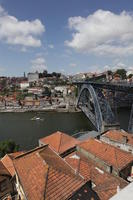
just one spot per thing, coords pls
(101, 181)
(113, 160)
(120, 139)
(33, 77)
(62, 89)
(24, 85)
(36, 90)
(6, 185)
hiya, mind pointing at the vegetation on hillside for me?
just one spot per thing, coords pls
(8, 146)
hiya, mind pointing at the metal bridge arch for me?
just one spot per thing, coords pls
(95, 106)
(83, 104)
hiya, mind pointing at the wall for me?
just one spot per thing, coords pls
(125, 147)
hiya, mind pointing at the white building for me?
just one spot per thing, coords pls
(62, 89)
(35, 90)
(24, 85)
(33, 77)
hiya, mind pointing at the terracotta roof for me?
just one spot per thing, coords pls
(44, 175)
(118, 136)
(105, 183)
(109, 154)
(85, 193)
(7, 161)
(60, 142)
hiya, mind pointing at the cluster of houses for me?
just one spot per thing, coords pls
(65, 168)
(42, 89)
(34, 91)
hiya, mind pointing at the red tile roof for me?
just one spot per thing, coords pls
(60, 142)
(105, 184)
(118, 136)
(44, 175)
(109, 154)
(7, 161)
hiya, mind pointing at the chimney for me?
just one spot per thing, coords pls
(118, 188)
(132, 171)
(78, 167)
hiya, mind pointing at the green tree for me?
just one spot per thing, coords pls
(110, 72)
(130, 75)
(122, 73)
(8, 146)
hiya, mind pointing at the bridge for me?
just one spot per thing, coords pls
(121, 86)
(95, 105)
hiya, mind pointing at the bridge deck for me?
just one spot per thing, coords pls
(121, 87)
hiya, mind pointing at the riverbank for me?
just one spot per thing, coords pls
(47, 109)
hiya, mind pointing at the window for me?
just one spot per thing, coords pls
(3, 185)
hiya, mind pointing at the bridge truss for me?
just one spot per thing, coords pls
(95, 106)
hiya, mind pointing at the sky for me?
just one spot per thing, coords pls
(70, 36)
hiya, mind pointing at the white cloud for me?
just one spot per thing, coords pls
(38, 64)
(119, 65)
(16, 32)
(102, 33)
(51, 46)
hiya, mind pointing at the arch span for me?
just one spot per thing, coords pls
(95, 106)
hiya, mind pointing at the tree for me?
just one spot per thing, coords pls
(110, 72)
(122, 73)
(130, 75)
(8, 146)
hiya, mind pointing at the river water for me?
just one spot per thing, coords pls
(25, 132)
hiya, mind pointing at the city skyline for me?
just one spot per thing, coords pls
(64, 36)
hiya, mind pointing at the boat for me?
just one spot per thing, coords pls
(37, 119)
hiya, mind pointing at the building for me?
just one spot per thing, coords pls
(42, 174)
(6, 185)
(112, 159)
(120, 139)
(24, 85)
(60, 142)
(36, 90)
(7, 161)
(62, 89)
(33, 77)
(104, 184)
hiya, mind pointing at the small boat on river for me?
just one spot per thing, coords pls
(37, 119)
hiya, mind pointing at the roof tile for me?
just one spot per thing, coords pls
(107, 153)
(105, 184)
(44, 175)
(60, 142)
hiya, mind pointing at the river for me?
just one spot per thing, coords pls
(25, 132)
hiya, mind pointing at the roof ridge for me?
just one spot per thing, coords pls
(46, 182)
(30, 151)
(60, 140)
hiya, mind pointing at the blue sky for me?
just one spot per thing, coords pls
(66, 36)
